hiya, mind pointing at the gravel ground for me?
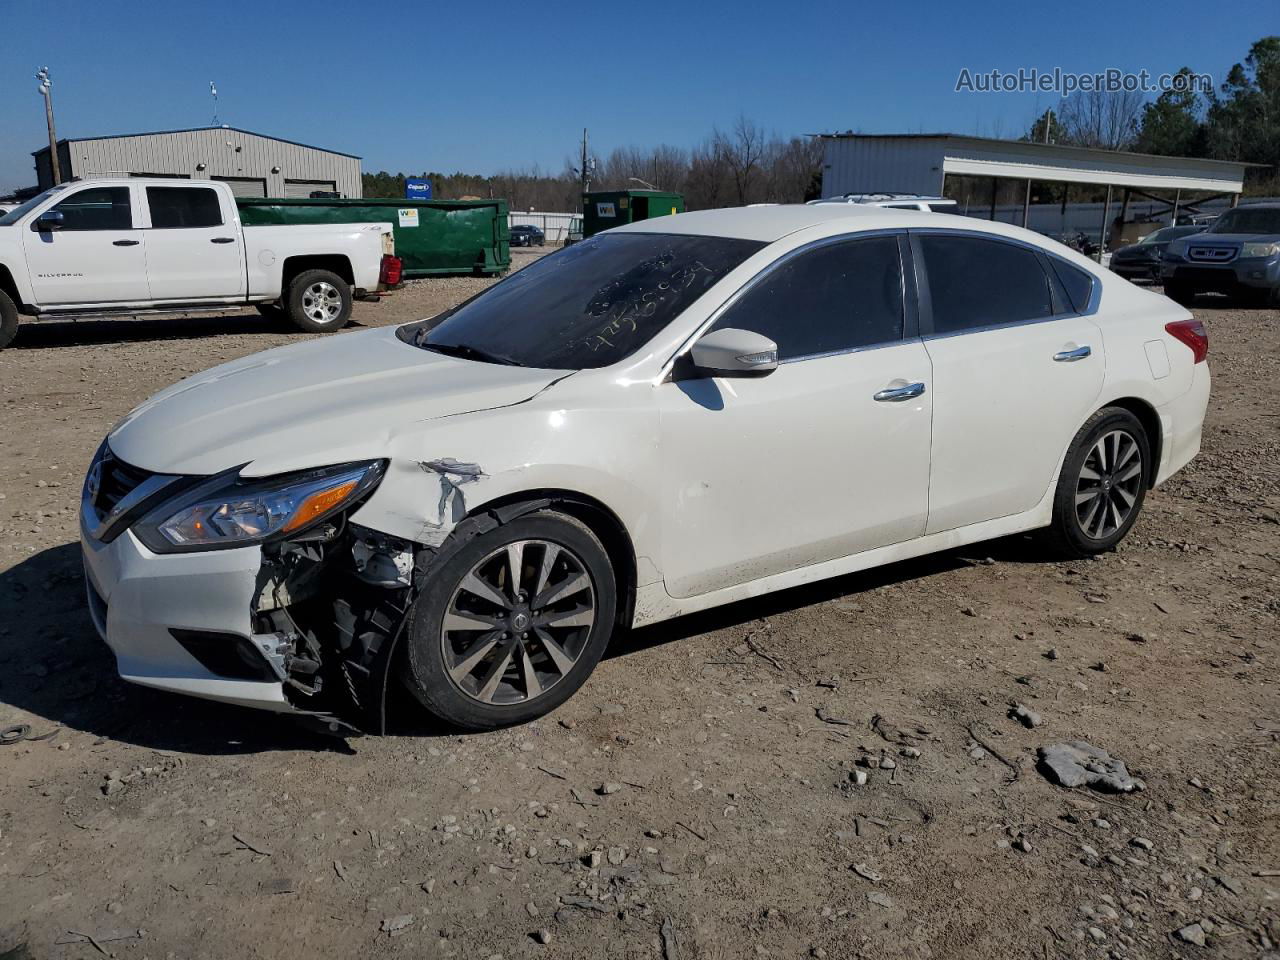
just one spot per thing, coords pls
(830, 771)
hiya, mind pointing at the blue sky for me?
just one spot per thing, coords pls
(500, 85)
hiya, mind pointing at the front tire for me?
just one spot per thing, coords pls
(8, 320)
(319, 301)
(510, 625)
(1102, 485)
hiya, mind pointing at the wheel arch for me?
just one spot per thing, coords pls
(599, 517)
(336, 263)
(1150, 420)
(9, 286)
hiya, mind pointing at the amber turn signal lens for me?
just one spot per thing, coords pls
(320, 502)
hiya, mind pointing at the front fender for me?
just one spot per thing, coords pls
(445, 470)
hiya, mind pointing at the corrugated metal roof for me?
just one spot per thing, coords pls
(1025, 143)
(162, 133)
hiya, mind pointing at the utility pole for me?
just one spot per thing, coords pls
(45, 83)
(586, 173)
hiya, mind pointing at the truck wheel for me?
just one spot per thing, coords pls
(8, 320)
(319, 301)
(1179, 293)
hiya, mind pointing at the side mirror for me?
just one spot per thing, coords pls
(49, 220)
(735, 353)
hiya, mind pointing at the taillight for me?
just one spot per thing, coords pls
(391, 270)
(1193, 334)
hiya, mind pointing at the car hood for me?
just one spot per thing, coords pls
(1138, 251)
(1232, 238)
(311, 404)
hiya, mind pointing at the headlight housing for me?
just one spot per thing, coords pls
(1259, 249)
(230, 511)
(1176, 248)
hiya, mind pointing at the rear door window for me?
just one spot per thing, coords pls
(975, 282)
(173, 207)
(838, 297)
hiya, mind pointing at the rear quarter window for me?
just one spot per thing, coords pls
(1077, 283)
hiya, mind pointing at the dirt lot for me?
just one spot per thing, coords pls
(732, 824)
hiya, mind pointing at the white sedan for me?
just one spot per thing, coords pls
(669, 416)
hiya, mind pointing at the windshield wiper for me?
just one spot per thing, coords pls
(466, 352)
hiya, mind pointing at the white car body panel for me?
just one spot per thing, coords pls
(1004, 410)
(727, 488)
(827, 471)
(70, 271)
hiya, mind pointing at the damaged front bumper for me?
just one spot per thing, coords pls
(296, 626)
(170, 619)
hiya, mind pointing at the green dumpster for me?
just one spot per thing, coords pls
(432, 237)
(611, 208)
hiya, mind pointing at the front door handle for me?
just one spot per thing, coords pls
(223, 240)
(1071, 356)
(124, 243)
(898, 394)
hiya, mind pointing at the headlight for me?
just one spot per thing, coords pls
(1176, 248)
(228, 511)
(1259, 249)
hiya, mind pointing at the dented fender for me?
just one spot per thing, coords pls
(441, 471)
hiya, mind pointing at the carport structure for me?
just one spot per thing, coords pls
(1050, 188)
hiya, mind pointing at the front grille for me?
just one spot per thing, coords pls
(1208, 254)
(117, 480)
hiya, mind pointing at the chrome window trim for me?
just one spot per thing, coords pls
(1091, 308)
(665, 373)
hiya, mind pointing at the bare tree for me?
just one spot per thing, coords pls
(1097, 118)
(742, 150)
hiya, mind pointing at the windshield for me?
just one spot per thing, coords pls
(17, 213)
(1248, 220)
(586, 306)
(1165, 234)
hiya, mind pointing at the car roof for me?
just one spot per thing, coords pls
(772, 223)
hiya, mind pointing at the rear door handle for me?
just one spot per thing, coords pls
(898, 394)
(223, 240)
(1071, 356)
(124, 243)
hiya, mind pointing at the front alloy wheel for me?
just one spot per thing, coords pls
(511, 622)
(518, 622)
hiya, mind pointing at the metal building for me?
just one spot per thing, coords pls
(1047, 187)
(254, 165)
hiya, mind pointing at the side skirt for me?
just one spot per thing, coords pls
(654, 604)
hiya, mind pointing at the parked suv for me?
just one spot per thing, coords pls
(527, 235)
(1239, 255)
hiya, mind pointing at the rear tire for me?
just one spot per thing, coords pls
(1102, 485)
(550, 623)
(319, 301)
(8, 320)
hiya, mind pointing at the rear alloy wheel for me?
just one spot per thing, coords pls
(513, 623)
(319, 301)
(1102, 485)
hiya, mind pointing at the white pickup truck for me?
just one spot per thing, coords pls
(137, 245)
